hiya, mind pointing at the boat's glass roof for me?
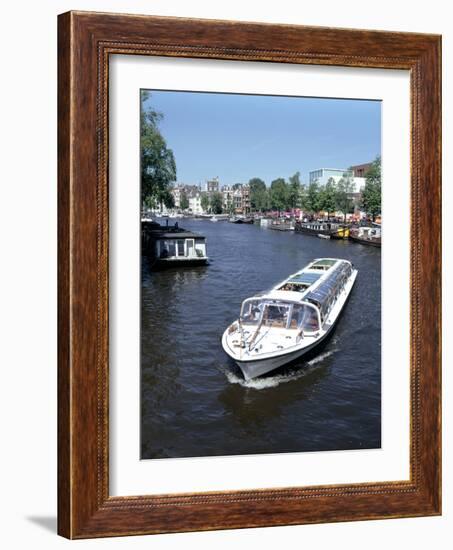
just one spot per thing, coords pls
(305, 278)
(324, 290)
(324, 262)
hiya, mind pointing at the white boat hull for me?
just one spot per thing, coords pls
(253, 369)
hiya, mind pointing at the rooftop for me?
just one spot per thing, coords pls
(176, 235)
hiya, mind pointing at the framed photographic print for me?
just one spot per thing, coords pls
(249, 275)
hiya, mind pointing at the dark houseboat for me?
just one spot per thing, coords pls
(241, 219)
(172, 246)
(328, 229)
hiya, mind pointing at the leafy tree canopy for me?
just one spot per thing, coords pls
(259, 198)
(205, 202)
(279, 194)
(184, 201)
(217, 203)
(327, 197)
(158, 166)
(312, 199)
(371, 195)
(294, 191)
(343, 199)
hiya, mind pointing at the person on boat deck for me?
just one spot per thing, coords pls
(255, 312)
(164, 253)
(289, 287)
(276, 314)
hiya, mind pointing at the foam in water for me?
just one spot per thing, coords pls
(273, 381)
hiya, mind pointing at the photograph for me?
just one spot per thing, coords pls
(260, 293)
(210, 340)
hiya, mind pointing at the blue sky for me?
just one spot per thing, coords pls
(237, 137)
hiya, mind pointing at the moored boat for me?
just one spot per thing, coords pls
(296, 315)
(241, 219)
(312, 228)
(341, 232)
(332, 229)
(282, 225)
(366, 235)
(172, 246)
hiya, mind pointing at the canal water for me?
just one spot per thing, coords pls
(194, 400)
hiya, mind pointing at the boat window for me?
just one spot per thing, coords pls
(200, 247)
(167, 248)
(180, 247)
(163, 250)
(323, 265)
(324, 293)
(251, 312)
(304, 317)
(304, 278)
(171, 248)
(297, 316)
(276, 315)
(294, 287)
(190, 247)
(311, 323)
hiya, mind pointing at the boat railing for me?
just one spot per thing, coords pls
(255, 334)
(300, 335)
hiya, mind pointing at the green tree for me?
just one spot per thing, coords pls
(205, 202)
(279, 194)
(184, 201)
(158, 166)
(303, 200)
(312, 199)
(327, 197)
(258, 194)
(217, 203)
(343, 199)
(294, 191)
(371, 194)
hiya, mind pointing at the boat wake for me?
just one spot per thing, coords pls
(273, 381)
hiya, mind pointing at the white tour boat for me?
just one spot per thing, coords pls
(281, 325)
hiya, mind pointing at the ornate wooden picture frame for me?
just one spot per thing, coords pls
(86, 40)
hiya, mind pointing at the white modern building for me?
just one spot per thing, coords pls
(359, 183)
(323, 175)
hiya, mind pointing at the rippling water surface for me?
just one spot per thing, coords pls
(194, 400)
